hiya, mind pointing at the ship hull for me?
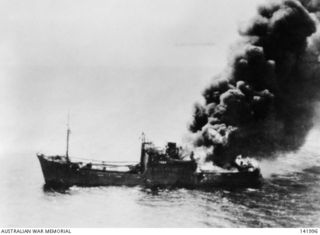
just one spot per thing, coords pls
(63, 173)
(67, 174)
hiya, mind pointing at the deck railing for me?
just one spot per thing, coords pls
(105, 163)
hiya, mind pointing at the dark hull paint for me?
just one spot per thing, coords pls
(67, 174)
(56, 173)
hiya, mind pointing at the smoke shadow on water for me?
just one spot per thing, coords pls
(288, 200)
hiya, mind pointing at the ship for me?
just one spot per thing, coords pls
(156, 168)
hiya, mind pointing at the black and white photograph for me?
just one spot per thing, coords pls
(159, 114)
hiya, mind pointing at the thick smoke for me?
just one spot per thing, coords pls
(263, 103)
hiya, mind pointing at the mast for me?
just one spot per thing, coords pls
(68, 134)
(142, 155)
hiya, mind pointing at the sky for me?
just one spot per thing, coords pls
(118, 67)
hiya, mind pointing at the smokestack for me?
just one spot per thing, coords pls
(263, 103)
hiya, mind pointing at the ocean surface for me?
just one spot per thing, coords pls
(289, 197)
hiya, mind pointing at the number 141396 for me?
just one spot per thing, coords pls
(309, 230)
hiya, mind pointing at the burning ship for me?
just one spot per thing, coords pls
(263, 103)
(156, 168)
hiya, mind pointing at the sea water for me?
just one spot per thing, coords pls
(289, 197)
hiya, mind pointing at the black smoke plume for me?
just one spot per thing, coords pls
(263, 103)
